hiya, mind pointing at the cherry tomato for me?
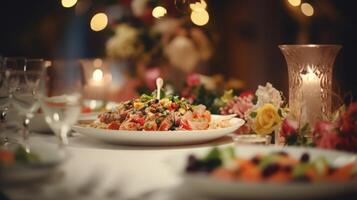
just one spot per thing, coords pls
(174, 105)
(114, 126)
(140, 121)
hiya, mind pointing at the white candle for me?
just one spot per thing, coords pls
(97, 85)
(310, 98)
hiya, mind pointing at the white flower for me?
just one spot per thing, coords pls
(182, 53)
(124, 44)
(268, 94)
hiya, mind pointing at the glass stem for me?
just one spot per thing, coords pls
(26, 133)
(3, 138)
(62, 136)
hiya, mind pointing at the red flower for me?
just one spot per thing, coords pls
(348, 121)
(325, 135)
(245, 129)
(193, 80)
(246, 94)
(289, 127)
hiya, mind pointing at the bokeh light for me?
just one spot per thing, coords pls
(307, 9)
(99, 21)
(200, 18)
(198, 6)
(97, 75)
(295, 2)
(159, 11)
(68, 3)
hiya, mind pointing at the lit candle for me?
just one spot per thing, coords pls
(311, 98)
(97, 77)
(97, 85)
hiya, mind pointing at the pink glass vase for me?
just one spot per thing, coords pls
(310, 80)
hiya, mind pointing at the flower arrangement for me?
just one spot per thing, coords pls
(125, 42)
(263, 111)
(340, 133)
(142, 39)
(266, 115)
(207, 90)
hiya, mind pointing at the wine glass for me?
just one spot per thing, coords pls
(24, 85)
(10, 79)
(4, 101)
(61, 96)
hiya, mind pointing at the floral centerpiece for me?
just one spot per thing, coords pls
(138, 36)
(339, 133)
(263, 111)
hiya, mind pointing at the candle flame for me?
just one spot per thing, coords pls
(309, 70)
(97, 75)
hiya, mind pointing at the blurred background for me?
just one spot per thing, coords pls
(232, 40)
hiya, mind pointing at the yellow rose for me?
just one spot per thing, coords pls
(266, 119)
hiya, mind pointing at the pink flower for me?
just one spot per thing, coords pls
(193, 80)
(289, 127)
(238, 105)
(325, 135)
(245, 129)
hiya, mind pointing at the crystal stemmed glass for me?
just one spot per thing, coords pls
(25, 87)
(10, 80)
(61, 96)
(4, 100)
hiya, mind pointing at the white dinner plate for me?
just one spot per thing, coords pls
(159, 138)
(49, 159)
(213, 187)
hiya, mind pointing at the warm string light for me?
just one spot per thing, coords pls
(68, 3)
(199, 14)
(159, 11)
(295, 2)
(307, 9)
(99, 21)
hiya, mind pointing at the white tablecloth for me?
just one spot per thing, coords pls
(113, 171)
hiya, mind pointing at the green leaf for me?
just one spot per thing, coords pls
(280, 113)
(305, 129)
(253, 114)
(267, 160)
(300, 169)
(292, 140)
(213, 154)
(145, 98)
(227, 96)
(23, 157)
(320, 165)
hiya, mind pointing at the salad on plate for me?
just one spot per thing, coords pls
(148, 113)
(273, 167)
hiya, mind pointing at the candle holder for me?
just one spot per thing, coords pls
(98, 78)
(310, 80)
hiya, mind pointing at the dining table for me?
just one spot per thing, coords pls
(97, 170)
(93, 169)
